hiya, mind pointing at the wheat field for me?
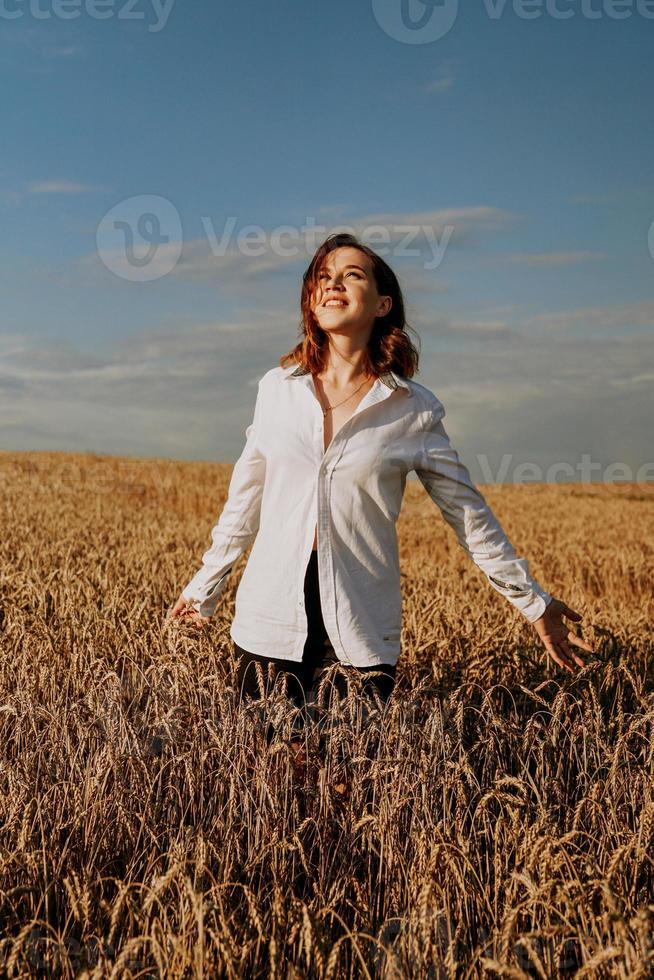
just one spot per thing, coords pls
(500, 818)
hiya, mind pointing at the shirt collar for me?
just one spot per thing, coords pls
(389, 378)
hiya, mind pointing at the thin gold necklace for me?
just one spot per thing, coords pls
(331, 407)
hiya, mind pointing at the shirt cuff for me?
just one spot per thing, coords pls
(534, 607)
(204, 600)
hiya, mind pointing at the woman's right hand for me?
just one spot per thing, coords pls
(186, 613)
(557, 637)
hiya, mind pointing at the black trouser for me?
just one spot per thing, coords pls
(303, 677)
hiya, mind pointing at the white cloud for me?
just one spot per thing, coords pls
(188, 391)
(481, 329)
(635, 380)
(227, 258)
(59, 186)
(551, 258)
(403, 232)
(66, 51)
(480, 217)
(445, 78)
(24, 48)
(439, 85)
(605, 317)
(547, 401)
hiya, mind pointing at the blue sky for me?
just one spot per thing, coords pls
(530, 139)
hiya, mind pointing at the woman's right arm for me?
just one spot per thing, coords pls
(235, 530)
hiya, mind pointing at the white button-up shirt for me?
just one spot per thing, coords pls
(285, 484)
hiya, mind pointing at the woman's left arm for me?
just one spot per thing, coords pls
(447, 481)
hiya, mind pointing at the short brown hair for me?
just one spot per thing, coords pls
(389, 347)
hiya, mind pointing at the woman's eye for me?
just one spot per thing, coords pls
(323, 275)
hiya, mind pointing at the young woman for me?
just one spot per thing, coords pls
(318, 489)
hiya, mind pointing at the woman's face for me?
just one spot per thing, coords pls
(346, 297)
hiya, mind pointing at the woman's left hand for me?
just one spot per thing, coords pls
(556, 635)
(182, 610)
